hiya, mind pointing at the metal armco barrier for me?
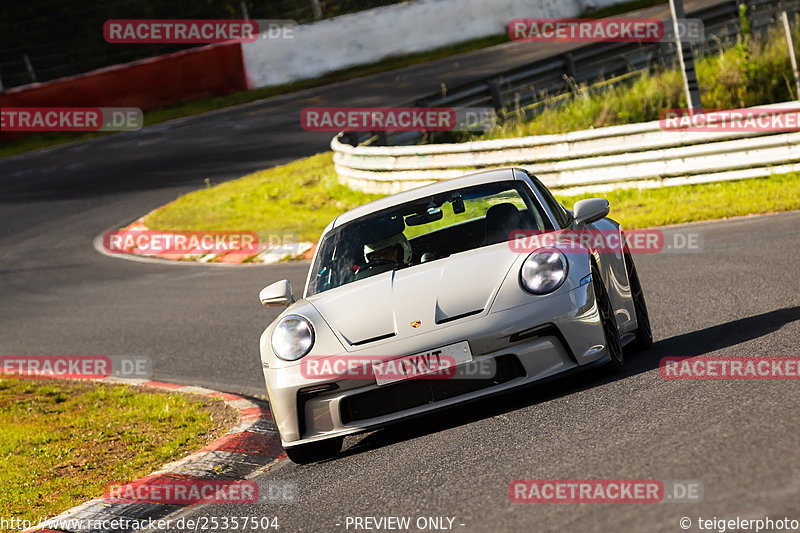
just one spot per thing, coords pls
(531, 88)
(587, 63)
(633, 155)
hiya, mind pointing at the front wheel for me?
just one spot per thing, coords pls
(644, 335)
(607, 320)
(315, 451)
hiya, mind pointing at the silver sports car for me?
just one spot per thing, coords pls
(423, 299)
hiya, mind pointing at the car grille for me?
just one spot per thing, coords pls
(416, 392)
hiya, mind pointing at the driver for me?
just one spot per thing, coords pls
(395, 249)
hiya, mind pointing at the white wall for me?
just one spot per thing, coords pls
(396, 30)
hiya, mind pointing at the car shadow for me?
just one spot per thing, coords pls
(695, 343)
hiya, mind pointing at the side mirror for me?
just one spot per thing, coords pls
(590, 210)
(279, 293)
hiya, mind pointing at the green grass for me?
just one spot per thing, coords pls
(300, 197)
(635, 208)
(750, 73)
(62, 442)
(304, 196)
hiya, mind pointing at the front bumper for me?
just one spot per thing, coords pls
(528, 343)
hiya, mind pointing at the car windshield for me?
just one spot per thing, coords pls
(427, 229)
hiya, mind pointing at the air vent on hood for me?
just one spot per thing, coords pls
(374, 339)
(458, 317)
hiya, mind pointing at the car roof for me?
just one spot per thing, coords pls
(478, 178)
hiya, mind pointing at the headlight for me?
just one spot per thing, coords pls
(292, 338)
(543, 271)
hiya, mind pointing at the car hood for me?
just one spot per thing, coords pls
(417, 299)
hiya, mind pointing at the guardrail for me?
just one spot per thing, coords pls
(531, 88)
(583, 64)
(633, 155)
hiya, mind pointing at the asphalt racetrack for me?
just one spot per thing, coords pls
(737, 295)
(200, 325)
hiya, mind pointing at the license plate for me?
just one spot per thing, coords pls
(439, 361)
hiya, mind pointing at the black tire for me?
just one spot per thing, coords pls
(315, 451)
(644, 334)
(608, 321)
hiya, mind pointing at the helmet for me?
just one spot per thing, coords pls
(394, 240)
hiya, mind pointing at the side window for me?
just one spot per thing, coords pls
(562, 217)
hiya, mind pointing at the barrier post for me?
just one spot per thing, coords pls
(686, 59)
(790, 43)
(317, 7)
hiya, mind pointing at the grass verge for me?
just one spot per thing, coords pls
(63, 441)
(750, 73)
(643, 208)
(304, 196)
(301, 197)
